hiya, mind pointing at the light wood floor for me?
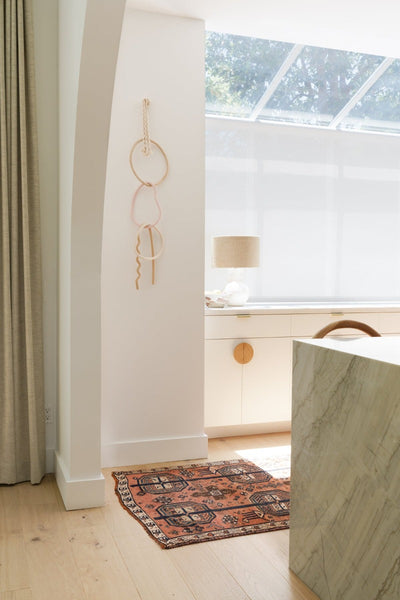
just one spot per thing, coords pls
(47, 553)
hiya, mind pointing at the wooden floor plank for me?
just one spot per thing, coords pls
(10, 510)
(259, 578)
(43, 493)
(88, 517)
(160, 582)
(205, 575)
(24, 594)
(13, 563)
(253, 441)
(275, 551)
(51, 565)
(102, 570)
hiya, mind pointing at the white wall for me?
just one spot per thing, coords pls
(45, 21)
(152, 346)
(326, 205)
(369, 26)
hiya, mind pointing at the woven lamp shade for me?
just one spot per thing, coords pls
(236, 251)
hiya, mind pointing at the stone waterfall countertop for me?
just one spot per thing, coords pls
(385, 349)
(345, 511)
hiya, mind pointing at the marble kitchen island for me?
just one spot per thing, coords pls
(345, 508)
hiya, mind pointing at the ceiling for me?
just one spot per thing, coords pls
(370, 26)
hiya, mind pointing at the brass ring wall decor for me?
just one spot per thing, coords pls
(148, 183)
(141, 187)
(150, 228)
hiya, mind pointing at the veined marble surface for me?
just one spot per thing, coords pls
(345, 506)
(386, 349)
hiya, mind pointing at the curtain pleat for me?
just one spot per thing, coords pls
(22, 428)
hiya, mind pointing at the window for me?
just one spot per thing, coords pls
(318, 85)
(266, 80)
(238, 70)
(379, 109)
(325, 200)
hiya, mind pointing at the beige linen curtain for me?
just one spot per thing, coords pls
(22, 430)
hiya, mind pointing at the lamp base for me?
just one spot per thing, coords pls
(236, 293)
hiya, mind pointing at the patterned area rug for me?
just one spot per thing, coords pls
(204, 502)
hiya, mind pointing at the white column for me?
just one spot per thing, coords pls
(89, 41)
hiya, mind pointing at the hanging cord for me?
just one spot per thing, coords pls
(146, 135)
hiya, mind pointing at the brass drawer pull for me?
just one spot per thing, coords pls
(243, 353)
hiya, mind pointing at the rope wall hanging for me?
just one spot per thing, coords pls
(148, 147)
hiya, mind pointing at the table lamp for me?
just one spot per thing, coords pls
(236, 252)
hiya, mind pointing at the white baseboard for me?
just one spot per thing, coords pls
(50, 460)
(142, 452)
(250, 429)
(79, 493)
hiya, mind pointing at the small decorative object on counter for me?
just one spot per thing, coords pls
(214, 300)
(150, 227)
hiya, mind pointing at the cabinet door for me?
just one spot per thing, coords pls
(223, 384)
(267, 381)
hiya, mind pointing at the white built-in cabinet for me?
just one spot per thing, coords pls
(256, 397)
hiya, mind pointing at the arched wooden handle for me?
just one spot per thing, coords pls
(243, 353)
(346, 324)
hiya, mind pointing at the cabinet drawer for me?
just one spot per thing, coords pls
(307, 325)
(247, 326)
(383, 322)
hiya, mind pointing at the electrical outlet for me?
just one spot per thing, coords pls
(48, 415)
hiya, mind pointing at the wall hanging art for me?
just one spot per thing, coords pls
(149, 146)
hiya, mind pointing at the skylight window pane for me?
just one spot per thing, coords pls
(379, 109)
(318, 84)
(238, 71)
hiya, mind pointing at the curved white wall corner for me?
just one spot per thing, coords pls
(152, 339)
(89, 40)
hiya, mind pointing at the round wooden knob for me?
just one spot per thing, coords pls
(243, 353)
